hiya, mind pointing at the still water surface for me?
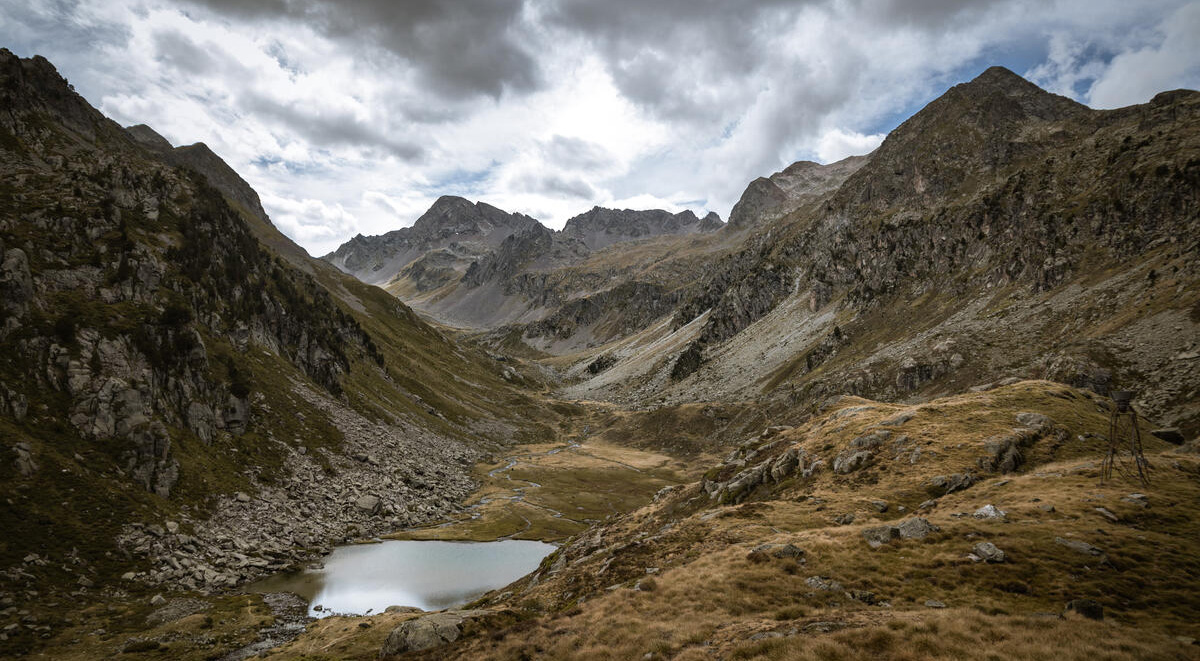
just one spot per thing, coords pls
(428, 575)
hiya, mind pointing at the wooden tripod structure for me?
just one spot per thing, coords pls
(1125, 441)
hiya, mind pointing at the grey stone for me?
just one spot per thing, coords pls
(1107, 514)
(915, 528)
(1035, 421)
(369, 504)
(844, 519)
(947, 484)
(990, 512)
(158, 600)
(789, 551)
(934, 603)
(880, 535)
(823, 583)
(848, 462)
(1081, 547)
(880, 506)
(242, 497)
(425, 632)
(987, 552)
(1138, 499)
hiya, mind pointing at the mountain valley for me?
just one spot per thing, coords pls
(864, 417)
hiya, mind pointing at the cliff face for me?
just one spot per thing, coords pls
(453, 226)
(1000, 231)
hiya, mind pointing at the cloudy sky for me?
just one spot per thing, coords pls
(352, 116)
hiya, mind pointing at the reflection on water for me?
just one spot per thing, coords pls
(428, 575)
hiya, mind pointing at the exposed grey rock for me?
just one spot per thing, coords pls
(1107, 514)
(426, 632)
(871, 441)
(934, 603)
(880, 506)
(987, 552)
(899, 419)
(823, 583)
(880, 535)
(947, 484)
(1004, 453)
(1080, 546)
(1035, 421)
(368, 503)
(1138, 499)
(848, 462)
(26, 466)
(915, 528)
(844, 519)
(863, 596)
(158, 600)
(990, 512)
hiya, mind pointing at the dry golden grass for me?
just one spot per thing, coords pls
(712, 594)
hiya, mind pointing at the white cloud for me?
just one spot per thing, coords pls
(357, 120)
(1136, 75)
(837, 144)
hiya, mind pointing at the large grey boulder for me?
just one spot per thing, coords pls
(426, 632)
(368, 504)
(915, 528)
(880, 535)
(987, 552)
(848, 462)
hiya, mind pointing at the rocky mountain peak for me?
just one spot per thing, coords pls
(601, 227)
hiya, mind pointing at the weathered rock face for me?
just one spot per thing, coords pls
(600, 227)
(152, 348)
(996, 184)
(426, 632)
(462, 229)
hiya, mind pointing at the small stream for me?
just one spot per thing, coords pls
(430, 575)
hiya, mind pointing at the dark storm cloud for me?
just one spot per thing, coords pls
(323, 128)
(672, 57)
(576, 153)
(176, 50)
(555, 186)
(459, 49)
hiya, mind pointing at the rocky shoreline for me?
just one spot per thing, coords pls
(387, 477)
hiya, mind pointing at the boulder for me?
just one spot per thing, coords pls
(368, 504)
(1035, 421)
(987, 552)
(946, 484)
(426, 632)
(915, 528)
(823, 583)
(848, 462)
(1081, 547)
(880, 535)
(990, 512)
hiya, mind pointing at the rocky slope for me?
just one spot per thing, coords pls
(172, 386)
(971, 522)
(526, 276)
(453, 228)
(1002, 231)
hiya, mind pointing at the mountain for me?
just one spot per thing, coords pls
(176, 377)
(456, 229)
(868, 418)
(521, 275)
(1001, 231)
